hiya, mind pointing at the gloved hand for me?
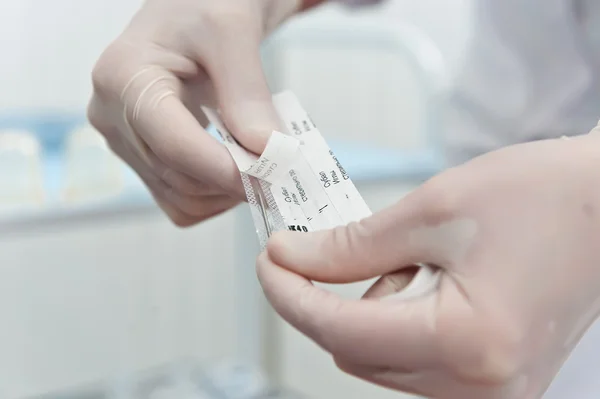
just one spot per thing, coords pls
(175, 56)
(515, 234)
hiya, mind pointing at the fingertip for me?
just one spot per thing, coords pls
(252, 123)
(178, 218)
(326, 256)
(262, 262)
(255, 138)
(277, 246)
(296, 251)
(342, 365)
(237, 187)
(391, 284)
(268, 271)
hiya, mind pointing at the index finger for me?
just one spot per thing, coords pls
(172, 132)
(367, 332)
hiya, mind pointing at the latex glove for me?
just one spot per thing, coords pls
(516, 234)
(175, 56)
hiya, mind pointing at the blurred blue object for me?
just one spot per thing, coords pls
(51, 128)
(364, 163)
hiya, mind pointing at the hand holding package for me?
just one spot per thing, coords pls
(150, 83)
(515, 236)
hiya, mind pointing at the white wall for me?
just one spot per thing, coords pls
(49, 47)
(447, 22)
(85, 302)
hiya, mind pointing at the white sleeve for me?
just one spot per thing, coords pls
(527, 75)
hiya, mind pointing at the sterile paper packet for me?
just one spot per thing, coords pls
(299, 184)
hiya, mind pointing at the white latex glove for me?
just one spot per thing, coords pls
(175, 56)
(516, 234)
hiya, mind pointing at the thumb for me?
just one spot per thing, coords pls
(415, 230)
(367, 332)
(244, 97)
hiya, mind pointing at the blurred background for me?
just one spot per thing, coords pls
(98, 288)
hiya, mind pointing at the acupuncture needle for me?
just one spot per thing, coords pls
(263, 206)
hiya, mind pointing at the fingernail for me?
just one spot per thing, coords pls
(253, 123)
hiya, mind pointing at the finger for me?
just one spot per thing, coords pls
(184, 210)
(157, 115)
(437, 383)
(244, 97)
(383, 376)
(178, 217)
(181, 182)
(156, 187)
(204, 207)
(407, 233)
(391, 284)
(123, 149)
(399, 334)
(153, 169)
